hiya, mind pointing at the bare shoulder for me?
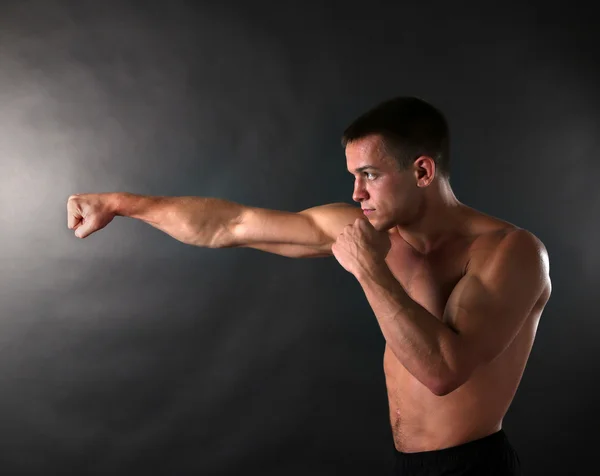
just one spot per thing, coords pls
(333, 217)
(492, 233)
(502, 248)
(338, 208)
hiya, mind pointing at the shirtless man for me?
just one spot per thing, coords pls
(458, 294)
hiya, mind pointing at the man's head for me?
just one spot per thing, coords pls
(406, 143)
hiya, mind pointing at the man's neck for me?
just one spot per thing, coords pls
(442, 217)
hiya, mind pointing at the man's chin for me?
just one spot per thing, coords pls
(381, 226)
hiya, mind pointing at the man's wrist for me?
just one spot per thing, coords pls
(115, 202)
(373, 271)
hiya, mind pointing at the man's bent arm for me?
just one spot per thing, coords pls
(484, 312)
(415, 336)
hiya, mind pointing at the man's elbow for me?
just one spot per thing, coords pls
(455, 370)
(450, 382)
(443, 388)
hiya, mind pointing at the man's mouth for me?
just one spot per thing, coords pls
(366, 211)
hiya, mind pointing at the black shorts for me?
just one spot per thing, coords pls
(492, 455)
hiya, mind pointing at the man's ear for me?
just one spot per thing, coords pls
(424, 169)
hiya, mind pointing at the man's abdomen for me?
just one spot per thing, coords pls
(423, 421)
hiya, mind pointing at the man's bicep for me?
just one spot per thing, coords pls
(309, 233)
(489, 306)
(331, 219)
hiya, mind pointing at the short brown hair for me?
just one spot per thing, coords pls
(410, 128)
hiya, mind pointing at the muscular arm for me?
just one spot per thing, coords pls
(217, 223)
(483, 314)
(306, 234)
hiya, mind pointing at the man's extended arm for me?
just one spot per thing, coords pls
(217, 223)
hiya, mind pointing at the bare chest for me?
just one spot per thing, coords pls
(428, 280)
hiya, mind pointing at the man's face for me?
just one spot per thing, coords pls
(389, 196)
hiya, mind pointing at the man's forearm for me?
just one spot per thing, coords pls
(198, 221)
(420, 341)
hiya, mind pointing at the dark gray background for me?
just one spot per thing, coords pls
(130, 352)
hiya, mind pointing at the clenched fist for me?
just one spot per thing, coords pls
(360, 247)
(87, 213)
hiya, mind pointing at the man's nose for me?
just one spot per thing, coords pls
(360, 193)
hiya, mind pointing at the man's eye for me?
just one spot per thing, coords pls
(369, 175)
